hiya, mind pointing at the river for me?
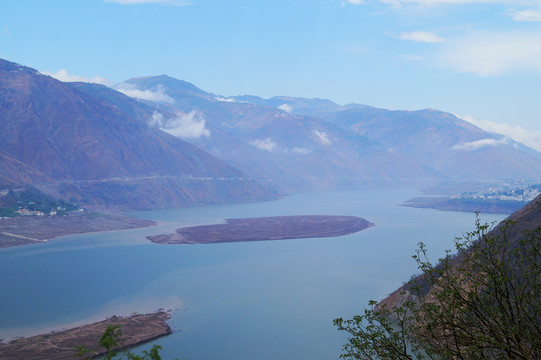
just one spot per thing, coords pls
(233, 301)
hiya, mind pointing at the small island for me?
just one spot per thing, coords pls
(61, 345)
(266, 228)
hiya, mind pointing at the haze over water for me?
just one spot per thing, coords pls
(260, 300)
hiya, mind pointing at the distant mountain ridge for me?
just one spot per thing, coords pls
(155, 141)
(292, 152)
(444, 142)
(74, 145)
(440, 140)
(316, 143)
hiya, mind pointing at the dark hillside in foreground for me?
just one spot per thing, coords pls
(526, 219)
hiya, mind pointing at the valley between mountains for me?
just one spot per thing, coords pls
(182, 146)
(74, 157)
(178, 145)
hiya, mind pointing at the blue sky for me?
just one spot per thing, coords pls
(480, 59)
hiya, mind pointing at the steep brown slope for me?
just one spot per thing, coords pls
(526, 219)
(15, 173)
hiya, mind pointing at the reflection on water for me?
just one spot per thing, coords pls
(262, 300)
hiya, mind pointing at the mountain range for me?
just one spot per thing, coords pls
(76, 146)
(316, 143)
(157, 141)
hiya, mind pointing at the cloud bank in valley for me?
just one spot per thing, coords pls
(264, 144)
(528, 137)
(157, 94)
(222, 99)
(191, 125)
(478, 144)
(285, 107)
(271, 146)
(322, 137)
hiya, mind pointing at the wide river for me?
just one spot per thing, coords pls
(234, 301)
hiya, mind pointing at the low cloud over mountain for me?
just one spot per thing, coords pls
(89, 143)
(167, 143)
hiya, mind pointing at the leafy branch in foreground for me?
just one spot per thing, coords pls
(482, 303)
(111, 341)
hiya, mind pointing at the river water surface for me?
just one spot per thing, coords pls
(234, 301)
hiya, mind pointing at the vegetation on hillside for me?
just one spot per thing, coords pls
(33, 200)
(484, 302)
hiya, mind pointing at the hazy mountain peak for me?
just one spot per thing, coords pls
(172, 85)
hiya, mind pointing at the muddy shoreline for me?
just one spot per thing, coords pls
(25, 230)
(266, 228)
(61, 345)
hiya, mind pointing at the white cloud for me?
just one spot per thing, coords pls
(530, 138)
(530, 10)
(322, 137)
(300, 151)
(285, 107)
(421, 36)
(531, 15)
(355, 2)
(411, 57)
(478, 144)
(158, 94)
(490, 54)
(157, 119)
(264, 144)
(225, 99)
(64, 76)
(165, 2)
(399, 3)
(191, 125)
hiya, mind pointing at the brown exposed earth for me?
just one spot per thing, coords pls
(26, 230)
(266, 228)
(61, 345)
(524, 220)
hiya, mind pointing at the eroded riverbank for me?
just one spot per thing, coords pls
(61, 345)
(24, 230)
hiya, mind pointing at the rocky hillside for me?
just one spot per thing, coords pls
(524, 220)
(301, 143)
(78, 146)
(287, 150)
(444, 142)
